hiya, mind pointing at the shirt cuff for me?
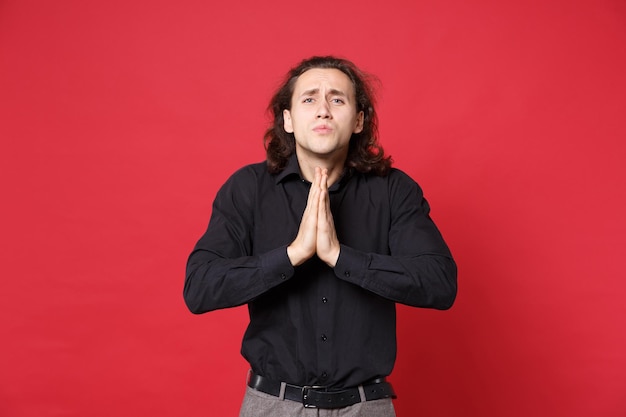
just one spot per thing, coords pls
(276, 266)
(352, 265)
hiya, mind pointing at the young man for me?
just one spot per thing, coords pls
(321, 241)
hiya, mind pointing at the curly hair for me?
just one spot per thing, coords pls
(365, 154)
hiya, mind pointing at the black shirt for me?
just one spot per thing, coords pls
(313, 324)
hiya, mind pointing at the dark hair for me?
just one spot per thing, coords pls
(365, 154)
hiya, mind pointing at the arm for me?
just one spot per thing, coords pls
(221, 272)
(419, 270)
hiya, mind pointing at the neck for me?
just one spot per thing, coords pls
(308, 164)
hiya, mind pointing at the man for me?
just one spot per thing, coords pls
(320, 241)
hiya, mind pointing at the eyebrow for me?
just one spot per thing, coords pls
(331, 92)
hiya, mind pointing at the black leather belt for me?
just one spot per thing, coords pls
(320, 397)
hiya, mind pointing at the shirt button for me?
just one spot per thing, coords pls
(324, 338)
(324, 300)
(347, 273)
(283, 276)
(324, 375)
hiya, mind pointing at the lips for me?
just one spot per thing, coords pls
(322, 129)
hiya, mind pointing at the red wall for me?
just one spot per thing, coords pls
(120, 119)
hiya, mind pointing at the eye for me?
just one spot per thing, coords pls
(308, 100)
(337, 100)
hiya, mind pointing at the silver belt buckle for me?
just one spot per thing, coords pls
(305, 394)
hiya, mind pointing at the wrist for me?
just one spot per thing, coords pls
(295, 256)
(333, 257)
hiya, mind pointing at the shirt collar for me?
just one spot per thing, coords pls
(293, 170)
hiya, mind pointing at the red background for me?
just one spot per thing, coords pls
(120, 119)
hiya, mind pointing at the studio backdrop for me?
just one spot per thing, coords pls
(120, 120)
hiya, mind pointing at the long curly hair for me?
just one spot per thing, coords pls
(365, 154)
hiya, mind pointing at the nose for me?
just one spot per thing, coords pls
(323, 111)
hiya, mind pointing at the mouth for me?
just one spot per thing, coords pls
(322, 129)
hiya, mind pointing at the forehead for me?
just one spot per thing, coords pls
(327, 78)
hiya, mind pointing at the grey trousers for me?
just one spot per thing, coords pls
(260, 404)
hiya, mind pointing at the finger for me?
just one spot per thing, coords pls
(318, 176)
(324, 197)
(324, 178)
(312, 200)
(325, 217)
(327, 245)
(304, 245)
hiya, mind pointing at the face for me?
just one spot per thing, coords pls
(323, 114)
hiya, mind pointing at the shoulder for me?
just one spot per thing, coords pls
(401, 185)
(395, 179)
(248, 177)
(244, 183)
(399, 176)
(250, 172)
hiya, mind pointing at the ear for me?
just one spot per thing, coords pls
(358, 128)
(287, 125)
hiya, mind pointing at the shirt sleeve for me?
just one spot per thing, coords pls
(419, 269)
(221, 272)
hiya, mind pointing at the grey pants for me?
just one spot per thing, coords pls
(260, 404)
